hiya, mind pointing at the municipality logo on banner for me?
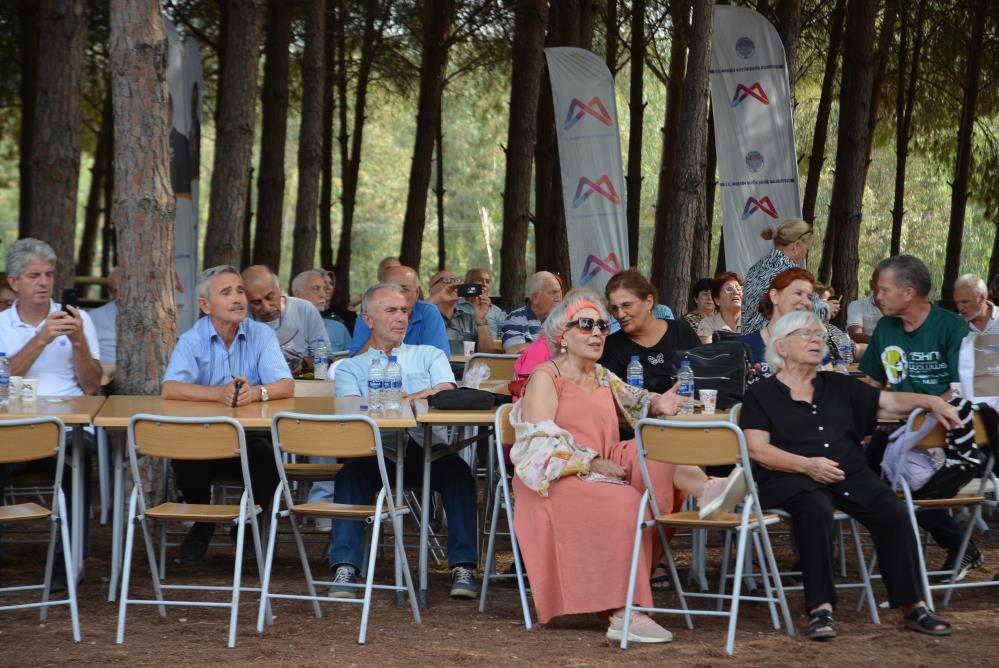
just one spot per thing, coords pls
(755, 91)
(594, 265)
(594, 108)
(602, 187)
(763, 204)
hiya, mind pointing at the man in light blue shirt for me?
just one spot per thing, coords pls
(425, 371)
(228, 359)
(426, 325)
(310, 285)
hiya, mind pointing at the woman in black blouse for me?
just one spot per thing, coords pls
(804, 430)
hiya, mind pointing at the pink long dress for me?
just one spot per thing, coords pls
(577, 541)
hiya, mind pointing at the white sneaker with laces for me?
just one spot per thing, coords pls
(641, 629)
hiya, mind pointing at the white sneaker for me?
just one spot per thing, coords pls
(324, 524)
(721, 495)
(641, 629)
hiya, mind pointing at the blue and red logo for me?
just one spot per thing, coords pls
(754, 91)
(744, 47)
(763, 204)
(602, 186)
(594, 265)
(754, 161)
(595, 108)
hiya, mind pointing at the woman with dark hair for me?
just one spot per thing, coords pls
(726, 292)
(701, 303)
(657, 343)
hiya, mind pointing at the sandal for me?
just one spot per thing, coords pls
(821, 626)
(921, 620)
(660, 580)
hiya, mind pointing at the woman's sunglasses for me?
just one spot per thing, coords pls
(586, 325)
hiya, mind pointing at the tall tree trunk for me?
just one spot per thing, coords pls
(965, 141)
(326, 178)
(636, 108)
(144, 203)
(994, 264)
(905, 102)
(846, 205)
(234, 132)
(530, 17)
(886, 39)
(789, 29)
(28, 18)
(613, 36)
(661, 253)
(700, 263)
(92, 212)
(246, 227)
(437, 25)
(687, 208)
(439, 193)
(310, 138)
(817, 156)
(720, 260)
(55, 151)
(273, 136)
(109, 241)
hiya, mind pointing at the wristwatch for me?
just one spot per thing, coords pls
(482, 323)
(263, 393)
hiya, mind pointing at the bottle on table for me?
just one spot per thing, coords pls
(392, 395)
(839, 365)
(636, 376)
(376, 381)
(321, 356)
(686, 389)
(4, 378)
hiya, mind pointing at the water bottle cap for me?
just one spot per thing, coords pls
(392, 358)
(684, 362)
(634, 358)
(364, 407)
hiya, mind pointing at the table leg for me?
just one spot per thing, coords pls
(118, 492)
(400, 454)
(428, 444)
(102, 474)
(79, 512)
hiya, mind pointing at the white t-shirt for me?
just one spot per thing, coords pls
(863, 313)
(54, 366)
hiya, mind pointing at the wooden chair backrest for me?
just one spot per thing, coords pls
(500, 368)
(325, 438)
(700, 446)
(505, 430)
(28, 442)
(186, 441)
(937, 437)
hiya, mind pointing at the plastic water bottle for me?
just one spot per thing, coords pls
(4, 378)
(839, 365)
(376, 381)
(686, 389)
(636, 376)
(322, 361)
(392, 395)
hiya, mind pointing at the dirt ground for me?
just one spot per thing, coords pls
(453, 632)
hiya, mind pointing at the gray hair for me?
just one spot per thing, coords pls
(24, 251)
(205, 278)
(536, 281)
(369, 294)
(556, 321)
(297, 283)
(974, 283)
(908, 272)
(783, 328)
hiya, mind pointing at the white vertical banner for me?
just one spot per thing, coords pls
(754, 133)
(184, 79)
(589, 148)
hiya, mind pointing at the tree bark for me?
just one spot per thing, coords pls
(109, 241)
(439, 193)
(613, 38)
(789, 29)
(530, 17)
(437, 25)
(994, 264)
(679, 11)
(965, 142)
(720, 260)
(818, 154)
(246, 228)
(273, 136)
(234, 132)
(687, 209)
(636, 108)
(55, 150)
(859, 62)
(886, 40)
(700, 259)
(310, 138)
(144, 203)
(92, 211)
(28, 18)
(326, 178)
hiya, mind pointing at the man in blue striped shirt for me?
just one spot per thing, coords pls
(229, 359)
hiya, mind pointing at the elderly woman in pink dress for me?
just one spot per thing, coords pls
(578, 486)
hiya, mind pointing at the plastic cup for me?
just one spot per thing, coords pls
(29, 389)
(15, 386)
(709, 398)
(469, 347)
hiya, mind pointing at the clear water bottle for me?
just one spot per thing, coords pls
(376, 381)
(4, 378)
(636, 376)
(686, 389)
(321, 355)
(839, 364)
(392, 395)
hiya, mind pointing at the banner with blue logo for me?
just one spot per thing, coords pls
(589, 148)
(754, 133)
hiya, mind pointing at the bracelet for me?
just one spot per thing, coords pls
(484, 323)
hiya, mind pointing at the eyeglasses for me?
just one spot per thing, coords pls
(586, 325)
(446, 280)
(809, 334)
(732, 289)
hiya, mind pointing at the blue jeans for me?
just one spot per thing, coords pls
(359, 481)
(323, 489)
(945, 531)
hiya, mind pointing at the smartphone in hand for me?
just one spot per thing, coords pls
(70, 297)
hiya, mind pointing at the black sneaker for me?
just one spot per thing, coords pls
(463, 583)
(344, 581)
(972, 559)
(193, 549)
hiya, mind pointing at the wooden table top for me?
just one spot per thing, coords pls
(119, 409)
(427, 415)
(71, 410)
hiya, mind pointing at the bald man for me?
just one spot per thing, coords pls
(297, 322)
(426, 325)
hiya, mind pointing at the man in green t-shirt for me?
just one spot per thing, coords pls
(915, 348)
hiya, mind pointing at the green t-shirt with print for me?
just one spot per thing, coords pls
(923, 360)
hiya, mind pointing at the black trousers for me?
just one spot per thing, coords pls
(885, 519)
(194, 478)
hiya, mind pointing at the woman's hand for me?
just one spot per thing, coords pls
(945, 414)
(606, 467)
(823, 470)
(668, 403)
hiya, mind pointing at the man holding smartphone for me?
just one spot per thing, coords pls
(445, 290)
(495, 316)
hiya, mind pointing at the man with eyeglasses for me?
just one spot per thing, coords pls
(228, 359)
(426, 326)
(461, 325)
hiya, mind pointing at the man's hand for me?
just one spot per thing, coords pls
(481, 306)
(228, 392)
(823, 470)
(606, 467)
(834, 305)
(59, 324)
(946, 414)
(76, 336)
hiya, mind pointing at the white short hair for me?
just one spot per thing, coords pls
(298, 283)
(24, 251)
(783, 328)
(974, 283)
(536, 282)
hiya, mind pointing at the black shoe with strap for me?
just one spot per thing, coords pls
(921, 620)
(821, 625)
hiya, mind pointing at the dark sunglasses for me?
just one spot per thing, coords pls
(586, 325)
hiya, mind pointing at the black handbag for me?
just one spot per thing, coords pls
(467, 399)
(722, 366)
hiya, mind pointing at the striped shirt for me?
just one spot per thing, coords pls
(758, 279)
(520, 327)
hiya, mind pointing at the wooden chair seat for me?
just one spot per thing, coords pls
(342, 510)
(197, 512)
(690, 519)
(23, 512)
(953, 501)
(312, 471)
